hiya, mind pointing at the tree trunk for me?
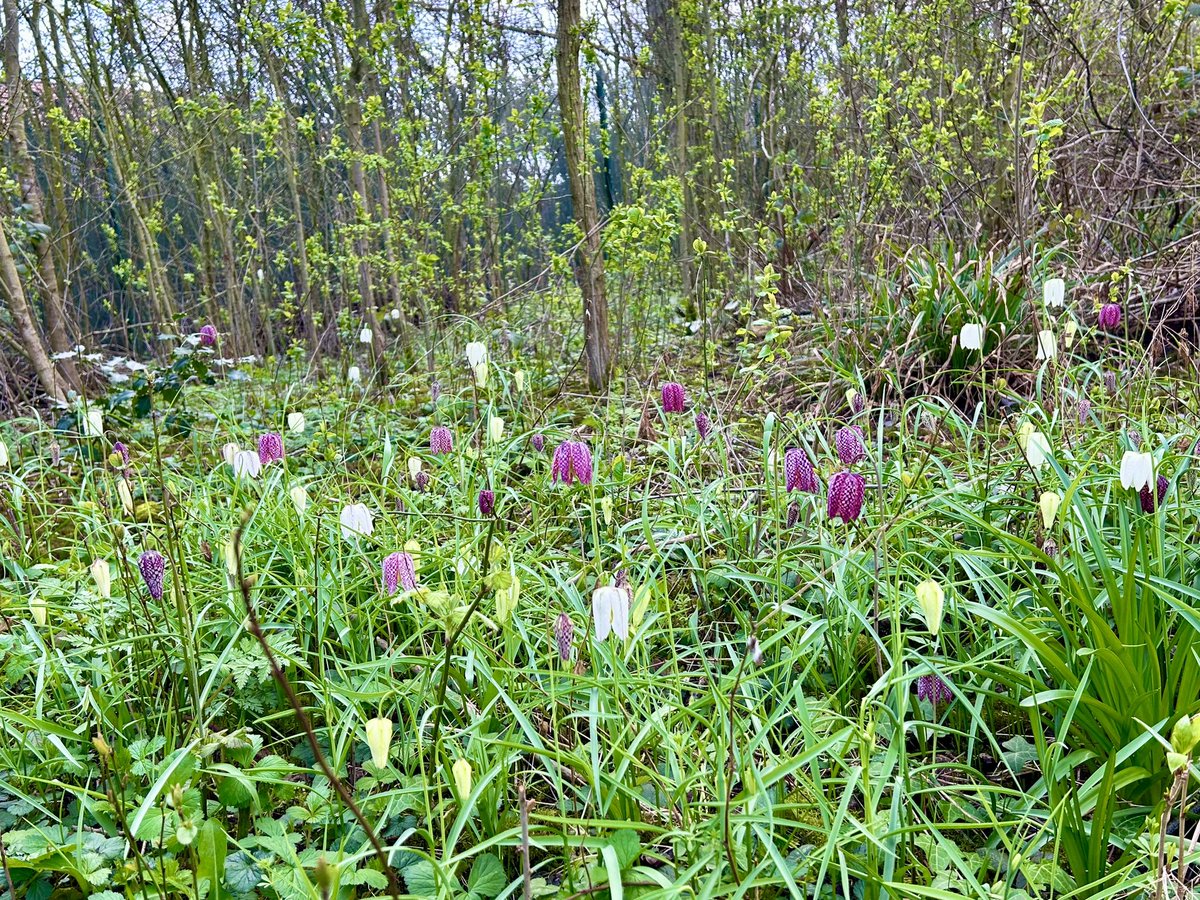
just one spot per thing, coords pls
(22, 316)
(589, 268)
(51, 290)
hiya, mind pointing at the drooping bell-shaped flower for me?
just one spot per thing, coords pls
(846, 492)
(153, 567)
(356, 520)
(246, 464)
(120, 450)
(379, 740)
(229, 451)
(354, 375)
(461, 770)
(1085, 407)
(932, 601)
(572, 461)
(1110, 316)
(365, 336)
(1049, 503)
(610, 612)
(270, 448)
(102, 575)
(673, 397)
(422, 481)
(1047, 344)
(856, 400)
(399, 570)
(703, 426)
(91, 421)
(208, 335)
(440, 440)
(1110, 383)
(849, 442)
(495, 429)
(1152, 500)
(933, 689)
(296, 422)
(1137, 470)
(487, 503)
(798, 472)
(1054, 292)
(538, 441)
(299, 498)
(564, 634)
(970, 336)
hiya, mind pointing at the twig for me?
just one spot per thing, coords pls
(282, 680)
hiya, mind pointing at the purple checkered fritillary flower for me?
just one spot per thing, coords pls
(153, 567)
(1110, 316)
(440, 440)
(1085, 407)
(849, 441)
(846, 491)
(572, 461)
(208, 335)
(703, 426)
(270, 448)
(673, 397)
(122, 451)
(399, 571)
(538, 441)
(564, 634)
(1153, 500)
(798, 471)
(934, 689)
(487, 502)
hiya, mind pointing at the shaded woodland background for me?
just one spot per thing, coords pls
(295, 172)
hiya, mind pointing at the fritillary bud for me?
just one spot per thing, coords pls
(152, 566)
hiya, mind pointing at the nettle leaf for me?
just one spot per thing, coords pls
(487, 878)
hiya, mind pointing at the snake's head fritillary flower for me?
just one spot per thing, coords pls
(1137, 470)
(846, 492)
(246, 464)
(850, 448)
(379, 741)
(435, 391)
(1054, 292)
(564, 634)
(971, 335)
(296, 422)
(932, 601)
(539, 442)
(610, 612)
(356, 520)
(152, 566)
(422, 481)
(793, 514)
(1085, 407)
(673, 397)
(270, 448)
(1110, 316)
(119, 449)
(703, 426)
(399, 570)
(487, 503)
(1152, 500)
(440, 440)
(1110, 383)
(856, 400)
(933, 689)
(572, 461)
(208, 335)
(798, 471)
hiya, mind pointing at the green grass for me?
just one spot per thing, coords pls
(147, 749)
